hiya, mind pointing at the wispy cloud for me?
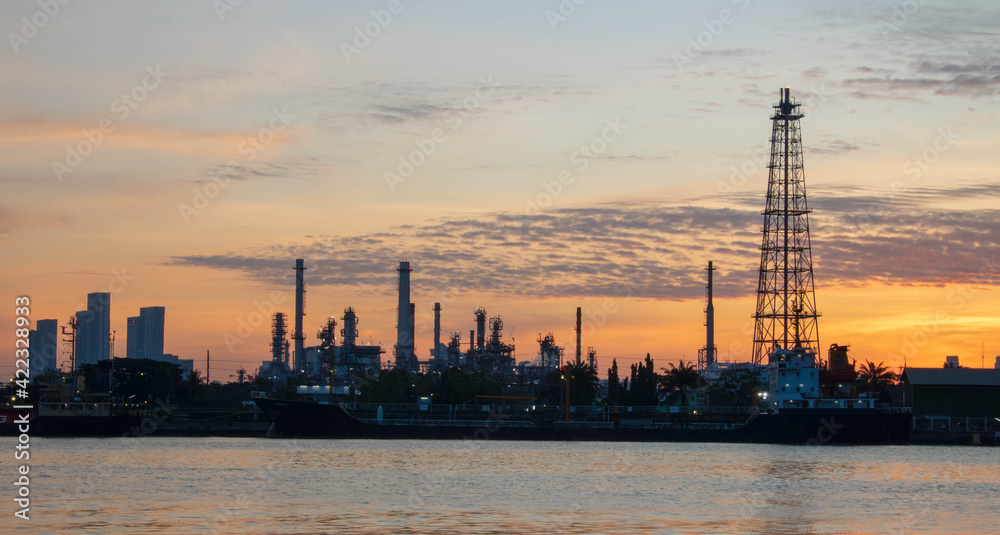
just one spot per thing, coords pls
(643, 249)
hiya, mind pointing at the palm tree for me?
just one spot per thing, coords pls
(876, 377)
(683, 378)
(194, 377)
(191, 390)
(584, 384)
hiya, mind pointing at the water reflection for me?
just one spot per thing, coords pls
(276, 486)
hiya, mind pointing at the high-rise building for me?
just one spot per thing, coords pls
(93, 334)
(98, 325)
(145, 334)
(153, 320)
(134, 341)
(99, 303)
(43, 346)
(84, 334)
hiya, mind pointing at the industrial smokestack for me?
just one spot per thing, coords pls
(472, 339)
(277, 338)
(710, 324)
(436, 352)
(349, 334)
(480, 328)
(579, 315)
(300, 293)
(410, 332)
(404, 324)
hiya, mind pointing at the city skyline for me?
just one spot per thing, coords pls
(527, 157)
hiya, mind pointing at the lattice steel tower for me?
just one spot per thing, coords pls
(786, 299)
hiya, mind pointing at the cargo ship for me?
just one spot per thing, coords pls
(791, 411)
(796, 426)
(65, 409)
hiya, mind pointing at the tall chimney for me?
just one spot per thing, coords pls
(710, 324)
(480, 328)
(349, 335)
(404, 337)
(579, 315)
(410, 333)
(297, 335)
(472, 339)
(436, 352)
(277, 338)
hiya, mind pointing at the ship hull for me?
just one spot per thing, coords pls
(806, 426)
(74, 426)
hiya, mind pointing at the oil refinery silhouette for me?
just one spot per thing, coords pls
(804, 402)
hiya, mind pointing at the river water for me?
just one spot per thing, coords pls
(240, 485)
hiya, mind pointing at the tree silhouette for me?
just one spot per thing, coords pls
(876, 377)
(454, 386)
(616, 392)
(681, 380)
(642, 389)
(583, 383)
(194, 377)
(734, 388)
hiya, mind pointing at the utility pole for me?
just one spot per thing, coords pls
(566, 374)
(579, 315)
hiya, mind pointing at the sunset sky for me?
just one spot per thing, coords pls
(358, 134)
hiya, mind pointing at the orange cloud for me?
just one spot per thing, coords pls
(40, 133)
